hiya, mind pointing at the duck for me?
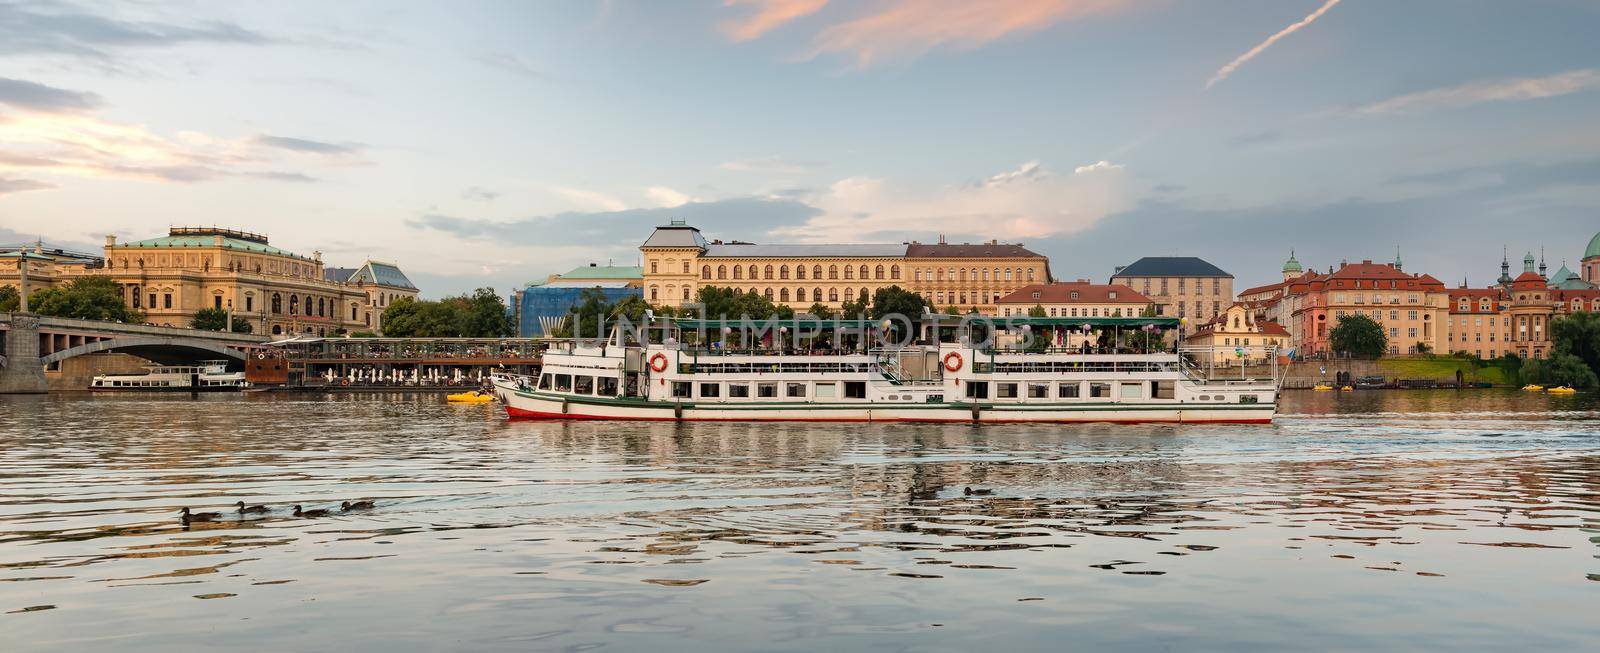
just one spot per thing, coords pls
(198, 516)
(249, 510)
(971, 492)
(317, 512)
(356, 505)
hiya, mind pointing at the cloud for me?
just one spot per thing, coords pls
(1026, 202)
(55, 29)
(666, 197)
(1256, 138)
(479, 194)
(33, 96)
(1503, 90)
(620, 232)
(1223, 72)
(308, 146)
(8, 186)
(770, 164)
(591, 199)
(904, 29)
(769, 15)
(515, 64)
(1097, 166)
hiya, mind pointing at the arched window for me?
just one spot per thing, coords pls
(685, 293)
(752, 271)
(655, 293)
(705, 272)
(894, 272)
(833, 294)
(878, 272)
(783, 295)
(799, 271)
(738, 272)
(849, 272)
(961, 274)
(321, 309)
(865, 294)
(816, 272)
(849, 293)
(294, 304)
(277, 304)
(277, 330)
(722, 272)
(864, 272)
(769, 272)
(783, 272)
(767, 293)
(833, 272)
(816, 294)
(1030, 274)
(800, 293)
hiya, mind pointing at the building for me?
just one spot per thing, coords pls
(678, 260)
(45, 266)
(383, 282)
(1237, 334)
(1181, 286)
(1410, 307)
(1478, 323)
(1075, 299)
(539, 307)
(1589, 265)
(1514, 316)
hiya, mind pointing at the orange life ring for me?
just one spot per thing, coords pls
(658, 362)
(952, 362)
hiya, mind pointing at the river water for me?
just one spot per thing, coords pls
(1369, 520)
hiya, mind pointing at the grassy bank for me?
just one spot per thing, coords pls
(1440, 368)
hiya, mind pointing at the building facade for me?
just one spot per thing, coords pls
(1514, 316)
(1075, 299)
(383, 282)
(678, 261)
(1410, 307)
(540, 307)
(1237, 334)
(1180, 286)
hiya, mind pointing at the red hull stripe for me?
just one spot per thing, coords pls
(519, 413)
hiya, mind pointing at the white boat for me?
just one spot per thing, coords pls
(207, 376)
(928, 382)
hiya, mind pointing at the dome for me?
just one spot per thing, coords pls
(1292, 265)
(1594, 247)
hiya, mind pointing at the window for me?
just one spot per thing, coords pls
(849, 272)
(799, 271)
(800, 293)
(681, 389)
(739, 390)
(1132, 391)
(583, 384)
(722, 272)
(1067, 390)
(710, 390)
(767, 390)
(705, 272)
(607, 386)
(816, 272)
(166, 300)
(795, 390)
(1100, 390)
(827, 390)
(738, 272)
(653, 269)
(564, 382)
(686, 293)
(216, 302)
(864, 272)
(1038, 391)
(1005, 390)
(686, 267)
(769, 273)
(833, 272)
(978, 390)
(655, 294)
(894, 272)
(544, 381)
(855, 389)
(783, 272)
(833, 294)
(783, 295)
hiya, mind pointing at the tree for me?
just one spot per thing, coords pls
(363, 334)
(10, 299)
(1578, 334)
(484, 315)
(821, 311)
(1041, 337)
(1359, 335)
(481, 314)
(1424, 348)
(895, 300)
(85, 298)
(1560, 369)
(216, 319)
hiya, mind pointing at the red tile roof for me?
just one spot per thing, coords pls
(1061, 293)
(965, 250)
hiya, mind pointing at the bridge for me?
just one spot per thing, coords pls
(416, 363)
(33, 343)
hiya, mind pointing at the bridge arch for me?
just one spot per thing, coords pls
(156, 348)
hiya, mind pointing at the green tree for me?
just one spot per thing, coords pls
(484, 315)
(363, 334)
(821, 311)
(1578, 334)
(85, 298)
(1560, 369)
(216, 319)
(895, 300)
(1041, 335)
(10, 299)
(1359, 335)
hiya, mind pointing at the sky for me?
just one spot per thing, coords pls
(494, 143)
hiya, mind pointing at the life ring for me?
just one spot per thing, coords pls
(261, 355)
(952, 362)
(658, 362)
(344, 382)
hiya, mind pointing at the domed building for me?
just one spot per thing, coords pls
(1590, 264)
(1291, 268)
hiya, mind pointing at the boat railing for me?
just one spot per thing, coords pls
(1230, 365)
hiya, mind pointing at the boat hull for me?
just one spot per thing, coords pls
(186, 389)
(533, 405)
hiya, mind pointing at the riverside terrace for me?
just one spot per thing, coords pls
(412, 362)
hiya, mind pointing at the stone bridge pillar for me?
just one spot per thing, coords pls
(23, 373)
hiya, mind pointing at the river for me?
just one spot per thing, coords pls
(1417, 520)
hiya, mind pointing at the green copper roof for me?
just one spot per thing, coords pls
(1594, 247)
(1565, 279)
(605, 272)
(210, 241)
(1292, 265)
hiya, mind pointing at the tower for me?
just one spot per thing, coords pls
(1505, 268)
(1291, 268)
(1542, 268)
(1398, 265)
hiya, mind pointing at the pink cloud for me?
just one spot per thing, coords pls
(769, 15)
(908, 28)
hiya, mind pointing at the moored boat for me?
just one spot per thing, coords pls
(928, 380)
(207, 376)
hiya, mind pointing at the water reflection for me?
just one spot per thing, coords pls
(1459, 509)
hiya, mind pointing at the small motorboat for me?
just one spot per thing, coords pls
(1322, 387)
(470, 397)
(1533, 387)
(1561, 390)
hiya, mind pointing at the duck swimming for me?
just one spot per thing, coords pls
(198, 516)
(971, 492)
(318, 512)
(248, 510)
(356, 505)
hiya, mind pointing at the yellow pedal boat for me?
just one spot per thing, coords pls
(1533, 387)
(1321, 388)
(1561, 390)
(1347, 389)
(472, 397)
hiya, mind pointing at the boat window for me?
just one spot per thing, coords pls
(682, 389)
(739, 390)
(710, 390)
(1067, 390)
(544, 381)
(583, 385)
(796, 390)
(855, 389)
(978, 390)
(608, 386)
(1132, 391)
(766, 390)
(564, 382)
(1163, 389)
(1038, 391)
(1248, 399)
(1005, 391)
(826, 390)
(1100, 390)
(935, 399)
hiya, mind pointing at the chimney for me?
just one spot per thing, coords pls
(941, 239)
(111, 240)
